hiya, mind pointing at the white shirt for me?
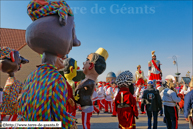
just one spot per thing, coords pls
(100, 93)
(109, 94)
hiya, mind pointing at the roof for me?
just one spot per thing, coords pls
(111, 74)
(13, 38)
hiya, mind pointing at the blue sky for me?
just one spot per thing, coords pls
(129, 34)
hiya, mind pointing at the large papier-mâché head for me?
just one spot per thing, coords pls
(11, 60)
(70, 68)
(52, 29)
(96, 61)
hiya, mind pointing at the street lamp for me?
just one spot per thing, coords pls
(176, 63)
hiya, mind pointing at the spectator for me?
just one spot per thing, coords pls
(151, 98)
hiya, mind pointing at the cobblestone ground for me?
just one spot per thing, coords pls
(105, 121)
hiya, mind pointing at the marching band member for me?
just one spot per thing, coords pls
(104, 89)
(138, 95)
(94, 99)
(115, 91)
(109, 98)
(101, 97)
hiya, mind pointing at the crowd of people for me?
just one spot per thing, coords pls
(48, 95)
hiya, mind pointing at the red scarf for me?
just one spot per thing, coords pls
(99, 86)
(139, 90)
(157, 86)
(108, 86)
(140, 71)
(155, 65)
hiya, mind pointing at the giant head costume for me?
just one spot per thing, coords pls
(93, 66)
(52, 34)
(70, 71)
(53, 29)
(70, 68)
(96, 61)
(125, 79)
(11, 60)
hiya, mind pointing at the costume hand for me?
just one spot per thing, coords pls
(85, 88)
(77, 97)
(71, 102)
(136, 117)
(74, 126)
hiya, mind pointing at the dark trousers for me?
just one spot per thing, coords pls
(155, 115)
(171, 115)
(161, 112)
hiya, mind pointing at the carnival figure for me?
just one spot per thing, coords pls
(70, 71)
(154, 72)
(52, 34)
(93, 67)
(139, 76)
(125, 102)
(11, 63)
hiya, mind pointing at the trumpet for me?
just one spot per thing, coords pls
(112, 95)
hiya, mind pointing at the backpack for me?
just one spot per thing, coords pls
(153, 100)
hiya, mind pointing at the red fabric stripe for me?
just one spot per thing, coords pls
(154, 77)
(13, 118)
(114, 109)
(83, 115)
(155, 65)
(95, 109)
(2, 116)
(176, 117)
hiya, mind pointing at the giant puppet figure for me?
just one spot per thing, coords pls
(52, 33)
(139, 76)
(125, 102)
(11, 62)
(154, 72)
(93, 66)
(70, 71)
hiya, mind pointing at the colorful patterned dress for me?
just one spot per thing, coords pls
(44, 97)
(11, 92)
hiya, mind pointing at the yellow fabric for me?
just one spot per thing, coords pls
(153, 53)
(127, 127)
(71, 75)
(103, 53)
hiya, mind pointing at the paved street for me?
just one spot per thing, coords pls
(105, 121)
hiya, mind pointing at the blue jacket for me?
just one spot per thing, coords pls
(188, 103)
